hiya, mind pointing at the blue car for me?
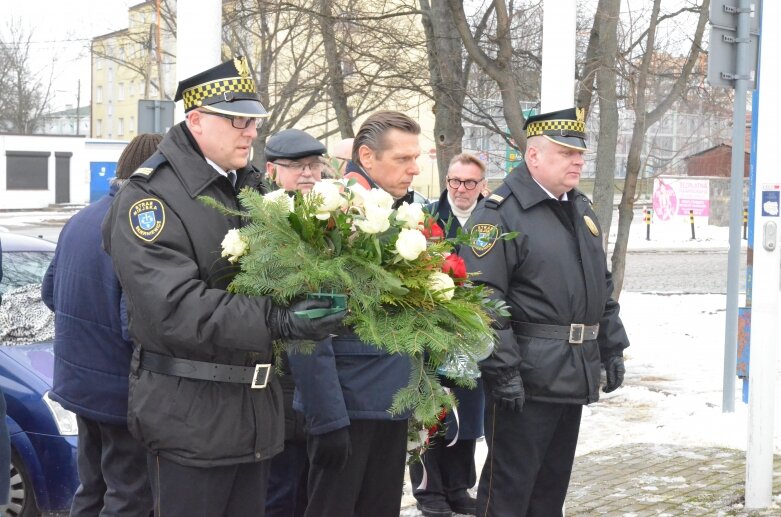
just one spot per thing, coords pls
(43, 434)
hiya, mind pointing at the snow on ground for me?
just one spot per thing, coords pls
(673, 388)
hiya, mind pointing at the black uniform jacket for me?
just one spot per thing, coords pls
(165, 245)
(553, 273)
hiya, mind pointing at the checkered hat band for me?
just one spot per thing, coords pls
(555, 128)
(195, 96)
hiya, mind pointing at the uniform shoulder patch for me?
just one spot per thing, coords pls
(498, 196)
(147, 219)
(484, 237)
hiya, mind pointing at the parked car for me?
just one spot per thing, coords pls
(43, 434)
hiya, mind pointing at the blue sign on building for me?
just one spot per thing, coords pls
(101, 174)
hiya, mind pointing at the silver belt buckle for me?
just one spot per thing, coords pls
(576, 331)
(259, 372)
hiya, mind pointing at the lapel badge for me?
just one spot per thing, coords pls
(483, 237)
(592, 226)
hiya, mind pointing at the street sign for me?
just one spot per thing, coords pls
(723, 58)
(723, 48)
(723, 13)
(155, 116)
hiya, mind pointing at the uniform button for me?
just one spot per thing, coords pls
(257, 455)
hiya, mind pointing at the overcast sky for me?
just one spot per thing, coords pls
(61, 34)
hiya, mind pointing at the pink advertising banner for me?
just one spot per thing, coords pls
(674, 196)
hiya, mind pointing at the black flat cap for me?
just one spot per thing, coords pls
(226, 88)
(565, 127)
(292, 144)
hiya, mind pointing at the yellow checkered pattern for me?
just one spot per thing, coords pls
(540, 128)
(193, 97)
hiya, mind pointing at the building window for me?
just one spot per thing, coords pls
(99, 94)
(98, 127)
(132, 128)
(27, 170)
(131, 89)
(121, 91)
(120, 127)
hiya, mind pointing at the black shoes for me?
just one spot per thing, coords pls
(464, 504)
(435, 510)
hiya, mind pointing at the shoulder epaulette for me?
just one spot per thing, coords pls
(148, 168)
(498, 196)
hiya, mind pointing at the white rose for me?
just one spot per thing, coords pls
(442, 285)
(331, 196)
(375, 220)
(275, 195)
(410, 244)
(233, 245)
(379, 198)
(410, 215)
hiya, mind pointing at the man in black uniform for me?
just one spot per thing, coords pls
(203, 396)
(563, 321)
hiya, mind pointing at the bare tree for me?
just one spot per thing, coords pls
(646, 114)
(24, 94)
(500, 67)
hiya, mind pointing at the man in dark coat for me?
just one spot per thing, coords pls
(91, 348)
(357, 449)
(450, 466)
(563, 322)
(203, 395)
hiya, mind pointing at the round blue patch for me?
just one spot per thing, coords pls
(147, 218)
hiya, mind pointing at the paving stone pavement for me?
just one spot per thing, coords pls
(661, 480)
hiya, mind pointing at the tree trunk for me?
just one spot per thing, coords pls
(643, 120)
(447, 79)
(335, 73)
(606, 20)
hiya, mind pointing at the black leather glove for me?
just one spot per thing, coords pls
(284, 324)
(330, 450)
(507, 390)
(614, 371)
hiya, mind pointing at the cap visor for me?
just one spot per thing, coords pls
(239, 108)
(572, 142)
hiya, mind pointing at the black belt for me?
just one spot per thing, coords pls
(256, 376)
(576, 333)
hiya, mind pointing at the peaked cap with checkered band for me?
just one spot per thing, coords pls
(226, 88)
(565, 127)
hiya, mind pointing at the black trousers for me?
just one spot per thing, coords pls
(286, 494)
(112, 472)
(450, 471)
(371, 483)
(530, 456)
(229, 491)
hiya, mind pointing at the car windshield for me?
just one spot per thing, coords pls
(22, 268)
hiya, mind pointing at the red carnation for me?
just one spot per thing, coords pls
(432, 231)
(454, 266)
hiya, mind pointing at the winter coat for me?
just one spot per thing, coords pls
(165, 245)
(82, 289)
(553, 273)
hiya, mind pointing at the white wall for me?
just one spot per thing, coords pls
(83, 152)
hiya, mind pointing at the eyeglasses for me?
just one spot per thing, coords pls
(236, 121)
(298, 167)
(468, 184)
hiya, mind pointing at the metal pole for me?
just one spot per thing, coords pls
(691, 222)
(558, 55)
(736, 206)
(765, 292)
